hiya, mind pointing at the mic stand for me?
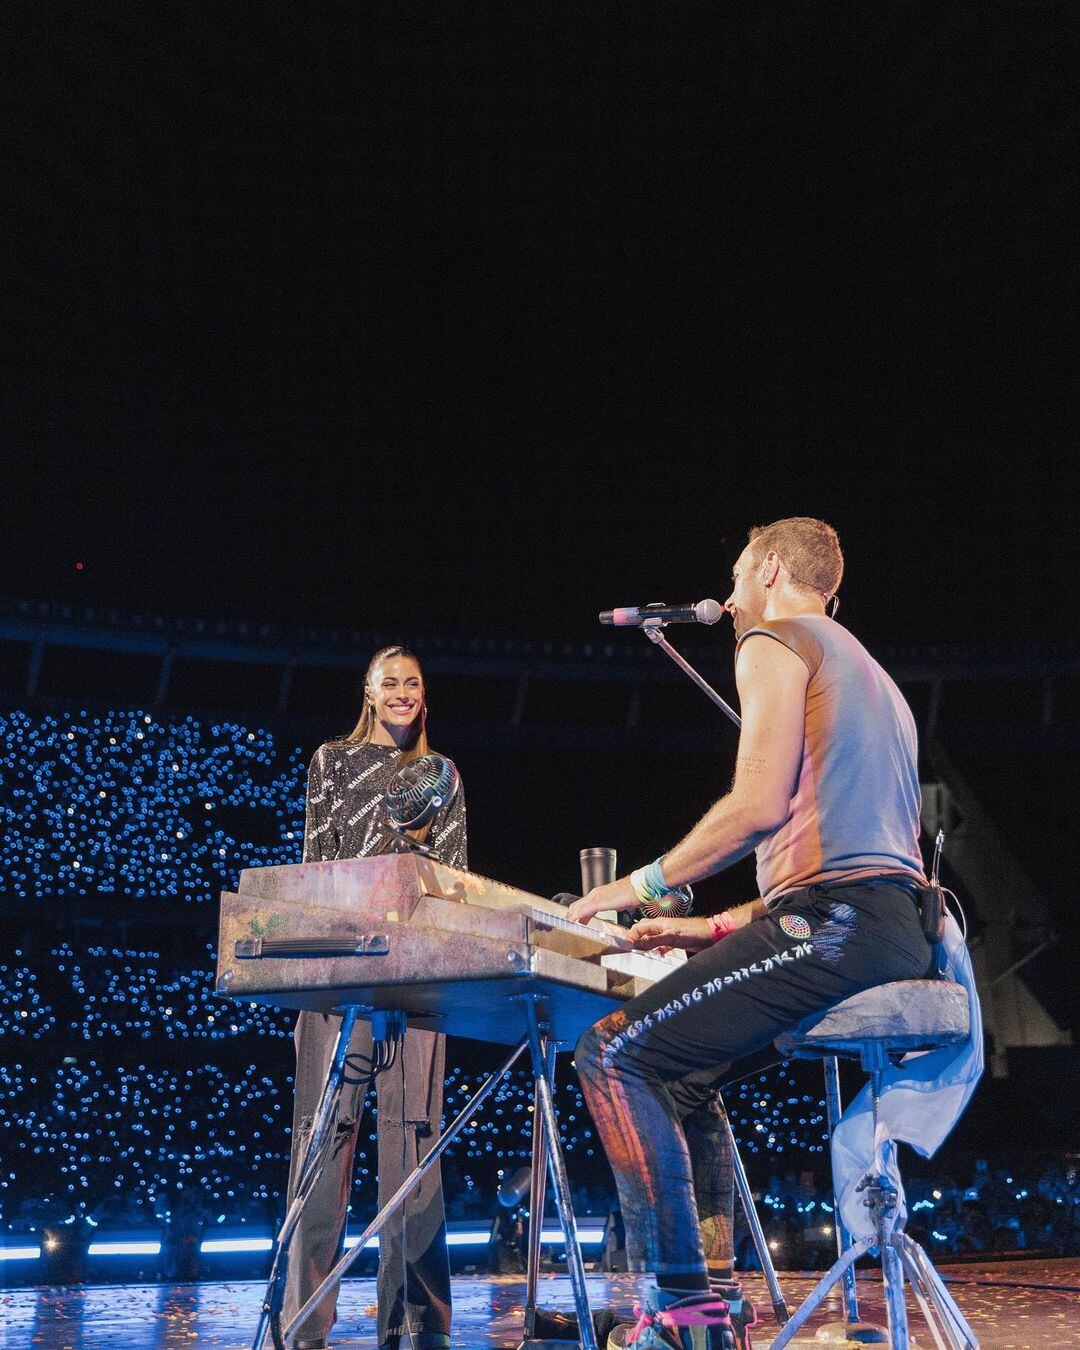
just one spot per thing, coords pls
(654, 631)
(403, 844)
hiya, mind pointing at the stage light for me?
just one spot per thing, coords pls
(236, 1245)
(19, 1253)
(124, 1249)
(478, 1237)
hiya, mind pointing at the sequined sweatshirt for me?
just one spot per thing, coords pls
(346, 807)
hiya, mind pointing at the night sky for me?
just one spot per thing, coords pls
(483, 317)
(477, 318)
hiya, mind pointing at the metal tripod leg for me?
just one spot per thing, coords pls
(953, 1320)
(746, 1197)
(557, 1168)
(407, 1186)
(931, 1316)
(537, 1195)
(892, 1278)
(306, 1176)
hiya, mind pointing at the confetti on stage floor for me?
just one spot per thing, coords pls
(1029, 1305)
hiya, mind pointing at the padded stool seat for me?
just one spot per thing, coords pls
(878, 1026)
(895, 1018)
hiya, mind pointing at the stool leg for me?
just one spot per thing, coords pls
(833, 1111)
(953, 1320)
(892, 1274)
(883, 1207)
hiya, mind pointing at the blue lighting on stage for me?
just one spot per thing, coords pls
(261, 1244)
(130, 1094)
(135, 1248)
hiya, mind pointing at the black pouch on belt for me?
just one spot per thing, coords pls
(931, 905)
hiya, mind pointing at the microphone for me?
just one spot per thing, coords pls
(705, 611)
(515, 1189)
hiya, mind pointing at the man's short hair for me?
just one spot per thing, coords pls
(808, 548)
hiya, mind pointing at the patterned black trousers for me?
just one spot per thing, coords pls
(650, 1071)
(414, 1269)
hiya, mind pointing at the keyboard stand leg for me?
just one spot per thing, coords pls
(407, 1186)
(537, 1195)
(753, 1222)
(308, 1174)
(557, 1168)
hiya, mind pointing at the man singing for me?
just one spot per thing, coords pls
(826, 792)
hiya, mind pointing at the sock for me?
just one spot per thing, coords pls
(721, 1278)
(684, 1284)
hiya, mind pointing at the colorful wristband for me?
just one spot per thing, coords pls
(654, 879)
(722, 924)
(648, 882)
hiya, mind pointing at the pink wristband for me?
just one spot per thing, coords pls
(722, 925)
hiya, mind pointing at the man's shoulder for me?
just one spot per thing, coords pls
(800, 634)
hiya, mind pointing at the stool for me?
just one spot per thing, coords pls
(879, 1026)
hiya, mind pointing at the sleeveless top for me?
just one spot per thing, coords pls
(855, 809)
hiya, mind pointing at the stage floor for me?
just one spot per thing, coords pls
(1010, 1305)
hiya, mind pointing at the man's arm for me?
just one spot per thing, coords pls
(694, 932)
(772, 682)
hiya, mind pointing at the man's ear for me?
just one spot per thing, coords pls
(771, 567)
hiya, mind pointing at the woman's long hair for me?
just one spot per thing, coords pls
(364, 730)
(417, 743)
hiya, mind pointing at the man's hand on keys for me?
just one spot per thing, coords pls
(615, 895)
(692, 934)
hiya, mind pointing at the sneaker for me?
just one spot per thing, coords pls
(559, 1326)
(742, 1312)
(697, 1322)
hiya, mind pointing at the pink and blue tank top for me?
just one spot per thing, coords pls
(855, 810)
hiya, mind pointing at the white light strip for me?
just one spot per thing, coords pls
(124, 1249)
(237, 1245)
(478, 1237)
(469, 1237)
(585, 1236)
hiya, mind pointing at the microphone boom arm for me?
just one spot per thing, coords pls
(654, 631)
